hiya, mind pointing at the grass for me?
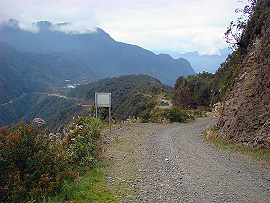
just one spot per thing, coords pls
(257, 153)
(92, 187)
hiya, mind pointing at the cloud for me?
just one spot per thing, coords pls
(180, 25)
(196, 25)
(80, 18)
(77, 27)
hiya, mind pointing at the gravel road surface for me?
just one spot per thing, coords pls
(172, 163)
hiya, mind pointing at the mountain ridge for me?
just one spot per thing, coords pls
(105, 56)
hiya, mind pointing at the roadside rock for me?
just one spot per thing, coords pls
(245, 115)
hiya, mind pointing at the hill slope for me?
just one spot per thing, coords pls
(118, 86)
(102, 54)
(32, 105)
(131, 94)
(28, 72)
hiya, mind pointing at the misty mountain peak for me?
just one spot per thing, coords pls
(11, 23)
(43, 25)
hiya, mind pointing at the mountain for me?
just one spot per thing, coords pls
(208, 63)
(22, 72)
(102, 55)
(58, 111)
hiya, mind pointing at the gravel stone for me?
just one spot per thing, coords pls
(172, 163)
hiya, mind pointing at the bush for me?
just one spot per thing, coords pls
(158, 115)
(81, 143)
(33, 167)
(176, 114)
(30, 165)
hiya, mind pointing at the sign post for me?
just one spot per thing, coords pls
(103, 100)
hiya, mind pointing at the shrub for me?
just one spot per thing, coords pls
(159, 115)
(30, 165)
(176, 114)
(82, 143)
(33, 167)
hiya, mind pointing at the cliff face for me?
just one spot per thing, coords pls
(245, 115)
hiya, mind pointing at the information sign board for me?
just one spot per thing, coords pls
(103, 99)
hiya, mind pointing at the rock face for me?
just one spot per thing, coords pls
(245, 115)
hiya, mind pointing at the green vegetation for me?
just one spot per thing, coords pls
(244, 34)
(132, 105)
(193, 91)
(205, 89)
(33, 167)
(131, 94)
(92, 187)
(224, 78)
(248, 26)
(157, 115)
(67, 116)
(118, 86)
(28, 72)
(234, 32)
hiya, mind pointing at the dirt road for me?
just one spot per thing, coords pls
(172, 163)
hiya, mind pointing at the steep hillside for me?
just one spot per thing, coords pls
(102, 54)
(33, 105)
(245, 115)
(22, 72)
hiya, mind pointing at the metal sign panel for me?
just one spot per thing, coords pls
(103, 99)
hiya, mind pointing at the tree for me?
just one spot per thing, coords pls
(234, 32)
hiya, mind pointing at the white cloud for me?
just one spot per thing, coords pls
(178, 25)
(77, 27)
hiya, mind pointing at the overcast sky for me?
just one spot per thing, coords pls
(165, 25)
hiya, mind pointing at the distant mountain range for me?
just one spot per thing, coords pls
(35, 65)
(96, 54)
(207, 63)
(199, 62)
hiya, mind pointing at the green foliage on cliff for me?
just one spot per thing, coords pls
(205, 89)
(193, 91)
(133, 104)
(252, 28)
(158, 115)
